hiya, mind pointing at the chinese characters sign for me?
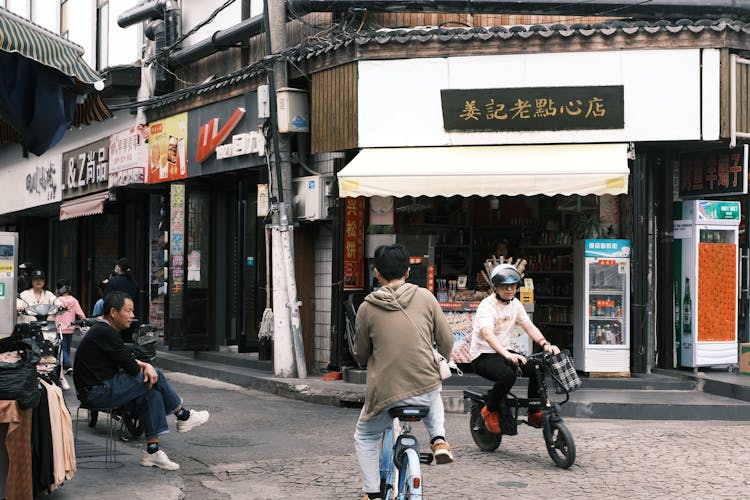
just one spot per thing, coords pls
(128, 157)
(714, 173)
(354, 238)
(176, 248)
(85, 170)
(534, 108)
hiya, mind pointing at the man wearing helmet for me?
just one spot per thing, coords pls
(494, 355)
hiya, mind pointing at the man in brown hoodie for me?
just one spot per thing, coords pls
(396, 327)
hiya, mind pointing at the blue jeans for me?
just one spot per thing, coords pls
(67, 339)
(131, 393)
(368, 434)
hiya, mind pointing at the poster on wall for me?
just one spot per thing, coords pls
(128, 157)
(167, 149)
(354, 237)
(176, 249)
(85, 170)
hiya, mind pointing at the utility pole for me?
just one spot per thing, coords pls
(288, 347)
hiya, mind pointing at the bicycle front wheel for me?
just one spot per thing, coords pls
(410, 477)
(560, 445)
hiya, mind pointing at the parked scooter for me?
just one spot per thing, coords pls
(50, 340)
(141, 339)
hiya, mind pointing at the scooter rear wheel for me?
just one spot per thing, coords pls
(485, 440)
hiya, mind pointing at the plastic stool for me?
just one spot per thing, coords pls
(110, 450)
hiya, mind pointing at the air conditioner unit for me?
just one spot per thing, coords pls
(312, 196)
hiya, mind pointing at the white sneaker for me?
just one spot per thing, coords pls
(64, 384)
(158, 459)
(195, 419)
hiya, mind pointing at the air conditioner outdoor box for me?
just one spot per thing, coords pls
(292, 110)
(311, 196)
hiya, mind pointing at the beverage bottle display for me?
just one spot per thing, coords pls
(687, 311)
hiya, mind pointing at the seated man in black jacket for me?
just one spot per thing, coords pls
(106, 375)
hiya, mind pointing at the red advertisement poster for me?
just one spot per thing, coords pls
(167, 151)
(354, 243)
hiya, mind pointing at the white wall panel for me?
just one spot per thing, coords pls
(711, 95)
(124, 43)
(195, 11)
(399, 101)
(17, 172)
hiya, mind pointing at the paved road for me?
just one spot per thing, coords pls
(259, 446)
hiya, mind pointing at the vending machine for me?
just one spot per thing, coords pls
(706, 282)
(8, 276)
(601, 336)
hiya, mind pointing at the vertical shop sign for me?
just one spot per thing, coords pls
(176, 249)
(354, 237)
(128, 157)
(85, 170)
(167, 149)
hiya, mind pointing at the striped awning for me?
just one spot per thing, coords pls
(50, 87)
(34, 42)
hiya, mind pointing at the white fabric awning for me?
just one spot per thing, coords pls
(487, 171)
(86, 205)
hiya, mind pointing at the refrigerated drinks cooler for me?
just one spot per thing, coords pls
(601, 339)
(705, 287)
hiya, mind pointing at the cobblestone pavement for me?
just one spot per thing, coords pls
(642, 459)
(261, 447)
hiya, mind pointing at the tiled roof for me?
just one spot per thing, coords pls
(540, 31)
(316, 46)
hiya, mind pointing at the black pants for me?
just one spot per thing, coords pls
(493, 366)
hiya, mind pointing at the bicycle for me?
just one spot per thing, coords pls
(557, 437)
(400, 460)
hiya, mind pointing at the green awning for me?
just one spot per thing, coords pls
(34, 42)
(45, 85)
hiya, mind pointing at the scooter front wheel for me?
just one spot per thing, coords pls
(560, 444)
(486, 440)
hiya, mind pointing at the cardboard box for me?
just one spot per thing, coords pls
(745, 358)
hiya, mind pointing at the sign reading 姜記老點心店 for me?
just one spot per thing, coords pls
(534, 108)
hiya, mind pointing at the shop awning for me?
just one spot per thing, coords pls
(46, 86)
(487, 171)
(86, 205)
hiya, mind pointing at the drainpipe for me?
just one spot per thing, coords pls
(164, 28)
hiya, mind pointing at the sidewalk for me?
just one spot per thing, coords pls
(662, 395)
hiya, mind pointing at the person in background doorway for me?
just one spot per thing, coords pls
(99, 304)
(65, 321)
(24, 276)
(107, 375)
(122, 281)
(401, 366)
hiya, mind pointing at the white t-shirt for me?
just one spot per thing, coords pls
(501, 317)
(28, 297)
